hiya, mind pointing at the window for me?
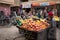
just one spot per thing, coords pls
(24, 0)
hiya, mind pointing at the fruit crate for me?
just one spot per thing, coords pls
(32, 35)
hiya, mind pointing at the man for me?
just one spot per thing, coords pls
(51, 31)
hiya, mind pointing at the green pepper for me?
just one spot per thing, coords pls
(19, 23)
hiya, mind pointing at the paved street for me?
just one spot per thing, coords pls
(58, 34)
(12, 32)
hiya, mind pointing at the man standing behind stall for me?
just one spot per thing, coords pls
(52, 30)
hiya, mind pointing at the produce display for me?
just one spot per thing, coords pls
(56, 18)
(34, 25)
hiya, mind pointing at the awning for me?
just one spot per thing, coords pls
(36, 4)
(26, 5)
(52, 3)
(43, 3)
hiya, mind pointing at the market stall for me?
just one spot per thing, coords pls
(34, 29)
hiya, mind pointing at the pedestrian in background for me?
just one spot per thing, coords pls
(45, 12)
(38, 14)
(30, 15)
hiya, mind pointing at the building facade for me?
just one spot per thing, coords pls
(5, 6)
(7, 1)
(16, 3)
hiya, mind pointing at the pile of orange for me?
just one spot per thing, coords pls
(35, 25)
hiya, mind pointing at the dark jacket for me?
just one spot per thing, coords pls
(52, 30)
